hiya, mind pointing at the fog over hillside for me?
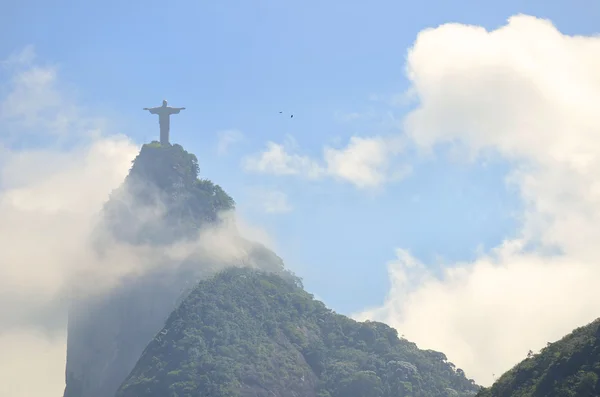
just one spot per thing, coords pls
(400, 141)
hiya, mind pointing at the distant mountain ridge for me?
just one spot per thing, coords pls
(569, 367)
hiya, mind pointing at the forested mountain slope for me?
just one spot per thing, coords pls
(251, 333)
(161, 202)
(567, 368)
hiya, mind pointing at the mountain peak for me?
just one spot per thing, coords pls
(251, 333)
(165, 165)
(161, 204)
(162, 200)
(213, 323)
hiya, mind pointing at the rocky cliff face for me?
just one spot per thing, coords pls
(107, 334)
(162, 202)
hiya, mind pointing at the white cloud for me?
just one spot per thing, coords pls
(276, 160)
(530, 94)
(50, 200)
(364, 162)
(226, 139)
(34, 354)
(524, 91)
(271, 201)
(35, 104)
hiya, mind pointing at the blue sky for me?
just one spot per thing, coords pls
(236, 64)
(497, 270)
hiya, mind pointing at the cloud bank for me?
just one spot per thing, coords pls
(524, 91)
(49, 198)
(530, 94)
(51, 194)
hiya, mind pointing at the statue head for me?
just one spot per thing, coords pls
(164, 102)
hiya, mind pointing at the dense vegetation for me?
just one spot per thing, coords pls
(250, 333)
(567, 368)
(162, 199)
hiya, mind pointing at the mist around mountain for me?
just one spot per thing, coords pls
(204, 311)
(569, 367)
(207, 312)
(210, 313)
(168, 229)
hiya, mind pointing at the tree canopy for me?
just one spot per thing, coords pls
(249, 333)
(567, 368)
(162, 199)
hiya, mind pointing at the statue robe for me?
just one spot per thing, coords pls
(164, 121)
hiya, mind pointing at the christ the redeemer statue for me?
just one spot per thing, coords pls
(164, 112)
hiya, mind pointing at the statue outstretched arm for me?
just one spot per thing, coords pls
(176, 110)
(151, 110)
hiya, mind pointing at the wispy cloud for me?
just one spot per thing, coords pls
(36, 106)
(226, 139)
(276, 160)
(21, 58)
(363, 162)
(350, 116)
(270, 201)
